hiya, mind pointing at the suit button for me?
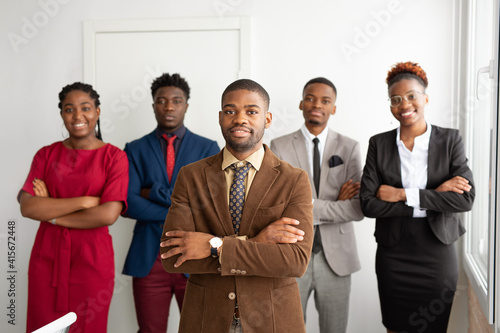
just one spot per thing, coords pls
(238, 271)
(231, 296)
(233, 271)
(243, 272)
(218, 269)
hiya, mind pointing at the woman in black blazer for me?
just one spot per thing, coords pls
(414, 183)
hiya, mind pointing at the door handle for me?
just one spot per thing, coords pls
(483, 70)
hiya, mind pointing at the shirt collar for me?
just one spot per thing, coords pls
(255, 159)
(180, 132)
(421, 139)
(309, 137)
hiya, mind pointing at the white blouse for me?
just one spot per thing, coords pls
(414, 169)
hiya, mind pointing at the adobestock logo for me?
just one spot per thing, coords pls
(131, 99)
(223, 6)
(30, 28)
(373, 28)
(282, 119)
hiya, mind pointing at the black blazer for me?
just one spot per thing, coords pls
(383, 166)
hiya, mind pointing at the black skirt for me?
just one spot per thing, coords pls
(417, 279)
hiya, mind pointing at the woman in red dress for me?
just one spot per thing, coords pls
(76, 188)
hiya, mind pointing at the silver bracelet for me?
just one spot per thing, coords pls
(53, 221)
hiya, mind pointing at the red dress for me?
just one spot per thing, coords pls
(73, 269)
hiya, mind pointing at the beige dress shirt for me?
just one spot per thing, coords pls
(228, 159)
(255, 160)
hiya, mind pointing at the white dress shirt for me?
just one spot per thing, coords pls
(310, 150)
(310, 145)
(414, 169)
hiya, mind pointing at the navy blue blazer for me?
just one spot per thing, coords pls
(147, 169)
(446, 159)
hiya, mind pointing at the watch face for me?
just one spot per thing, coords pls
(216, 242)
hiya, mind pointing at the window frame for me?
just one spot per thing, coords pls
(484, 286)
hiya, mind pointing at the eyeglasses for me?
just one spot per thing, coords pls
(410, 98)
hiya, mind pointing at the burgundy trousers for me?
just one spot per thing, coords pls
(152, 296)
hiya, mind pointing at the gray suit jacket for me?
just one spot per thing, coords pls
(446, 160)
(341, 162)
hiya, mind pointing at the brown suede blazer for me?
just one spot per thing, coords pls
(261, 277)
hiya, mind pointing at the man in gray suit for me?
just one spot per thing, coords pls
(333, 164)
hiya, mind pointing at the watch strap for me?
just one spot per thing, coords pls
(213, 251)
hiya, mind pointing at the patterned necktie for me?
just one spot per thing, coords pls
(170, 160)
(237, 194)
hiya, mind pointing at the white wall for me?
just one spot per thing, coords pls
(353, 43)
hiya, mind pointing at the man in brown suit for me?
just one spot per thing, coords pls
(242, 264)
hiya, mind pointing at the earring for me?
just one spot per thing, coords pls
(64, 133)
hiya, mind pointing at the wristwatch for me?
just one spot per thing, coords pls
(215, 243)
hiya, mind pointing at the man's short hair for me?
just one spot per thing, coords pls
(321, 80)
(246, 84)
(167, 80)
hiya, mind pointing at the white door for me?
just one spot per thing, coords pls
(121, 59)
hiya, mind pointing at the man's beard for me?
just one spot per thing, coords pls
(243, 146)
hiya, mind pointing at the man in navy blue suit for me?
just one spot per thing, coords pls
(154, 162)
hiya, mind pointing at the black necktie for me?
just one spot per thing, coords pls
(316, 167)
(316, 172)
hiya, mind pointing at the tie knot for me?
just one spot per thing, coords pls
(315, 140)
(170, 139)
(240, 171)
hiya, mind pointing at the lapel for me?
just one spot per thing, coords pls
(434, 158)
(262, 182)
(180, 157)
(329, 150)
(299, 146)
(389, 160)
(216, 183)
(158, 155)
